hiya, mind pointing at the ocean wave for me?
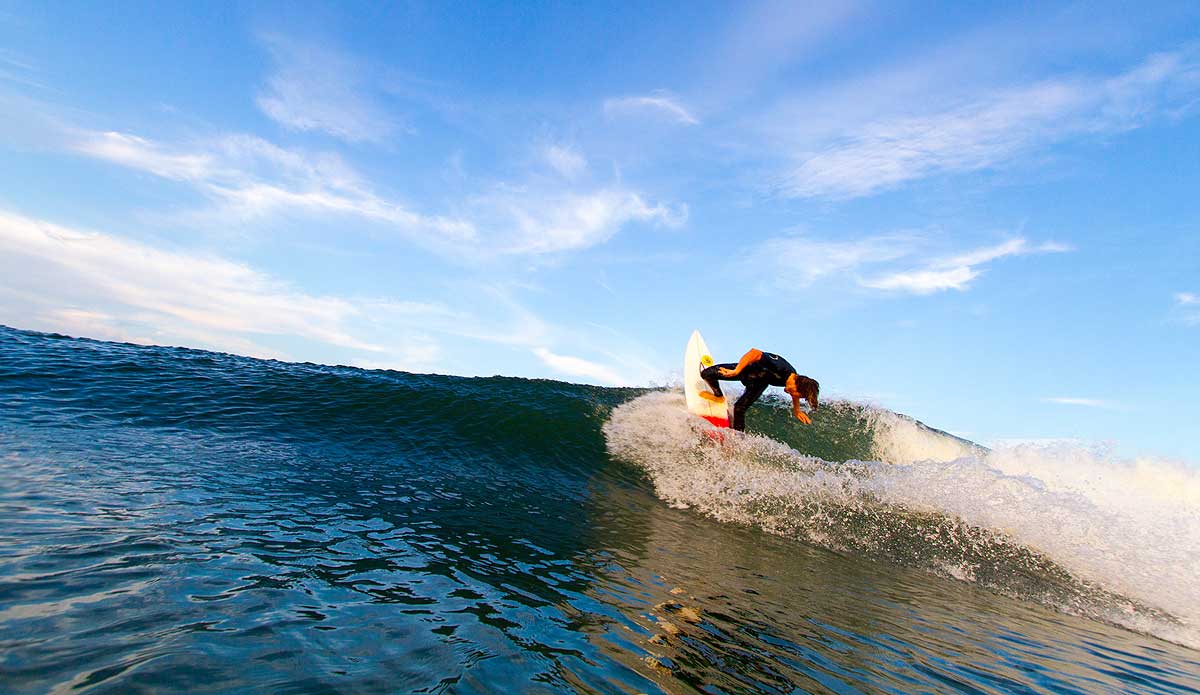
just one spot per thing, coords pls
(1073, 528)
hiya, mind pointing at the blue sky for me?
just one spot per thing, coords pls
(985, 217)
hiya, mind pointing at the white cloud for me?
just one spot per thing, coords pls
(986, 254)
(803, 261)
(987, 130)
(1086, 402)
(925, 281)
(140, 153)
(414, 353)
(495, 316)
(53, 278)
(249, 178)
(578, 367)
(956, 272)
(565, 160)
(658, 103)
(315, 88)
(800, 261)
(1187, 307)
(100, 285)
(91, 284)
(528, 222)
(92, 324)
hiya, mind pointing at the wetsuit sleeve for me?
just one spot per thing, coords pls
(752, 356)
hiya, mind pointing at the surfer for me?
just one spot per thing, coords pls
(757, 370)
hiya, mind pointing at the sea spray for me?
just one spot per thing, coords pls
(1047, 525)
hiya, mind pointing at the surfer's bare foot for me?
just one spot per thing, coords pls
(712, 397)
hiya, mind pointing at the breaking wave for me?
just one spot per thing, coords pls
(1073, 528)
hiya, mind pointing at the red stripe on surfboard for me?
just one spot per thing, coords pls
(718, 421)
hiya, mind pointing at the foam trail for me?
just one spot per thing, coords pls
(1070, 527)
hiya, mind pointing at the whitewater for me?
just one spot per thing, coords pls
(1075, 528)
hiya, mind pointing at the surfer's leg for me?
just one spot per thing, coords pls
(711, 374)
(751, 394)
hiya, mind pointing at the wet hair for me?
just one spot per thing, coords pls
(808, 388)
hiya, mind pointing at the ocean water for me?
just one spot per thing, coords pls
(174, 520)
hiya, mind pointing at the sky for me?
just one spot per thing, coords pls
(982, 216)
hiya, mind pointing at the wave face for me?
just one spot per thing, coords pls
(176, 520)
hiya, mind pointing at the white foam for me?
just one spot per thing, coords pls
(1129, 527)
(900, 439)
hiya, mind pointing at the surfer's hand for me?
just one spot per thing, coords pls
(725, 371)
(710, 397)
(802, 417)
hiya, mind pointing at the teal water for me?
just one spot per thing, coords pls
(181, 521)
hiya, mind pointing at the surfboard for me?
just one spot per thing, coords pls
(696, 358)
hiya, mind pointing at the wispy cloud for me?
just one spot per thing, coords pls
(925, 281)
(1187, 307)
(316, 88)
(94, 284)
(956, 272)
(893, 260)
(140, 153)
(116, 288)
(1085, 402)
(567, 161)
(544, 222)
(417, 353)
(769, 37)
(494, 316)
(18, 70)
(579, 367)
(989, 129)
(804, 260)
(98, 285)
(659, 104)
(249, 177)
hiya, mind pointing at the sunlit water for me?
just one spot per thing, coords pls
(173, 520)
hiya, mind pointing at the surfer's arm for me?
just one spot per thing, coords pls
(752, 355)
(800, 414)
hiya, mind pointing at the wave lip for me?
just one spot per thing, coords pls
(1072, 528)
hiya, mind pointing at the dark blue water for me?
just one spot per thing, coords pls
(176, 520)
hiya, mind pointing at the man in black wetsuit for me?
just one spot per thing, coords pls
(757, 370)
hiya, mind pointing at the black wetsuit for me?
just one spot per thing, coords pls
(768, 370)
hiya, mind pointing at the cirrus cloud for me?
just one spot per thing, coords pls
(248, 177)
(659, 104)
(315, 88)
(887, 262)
(988, 129)
(1085, 402)
(956, 272)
